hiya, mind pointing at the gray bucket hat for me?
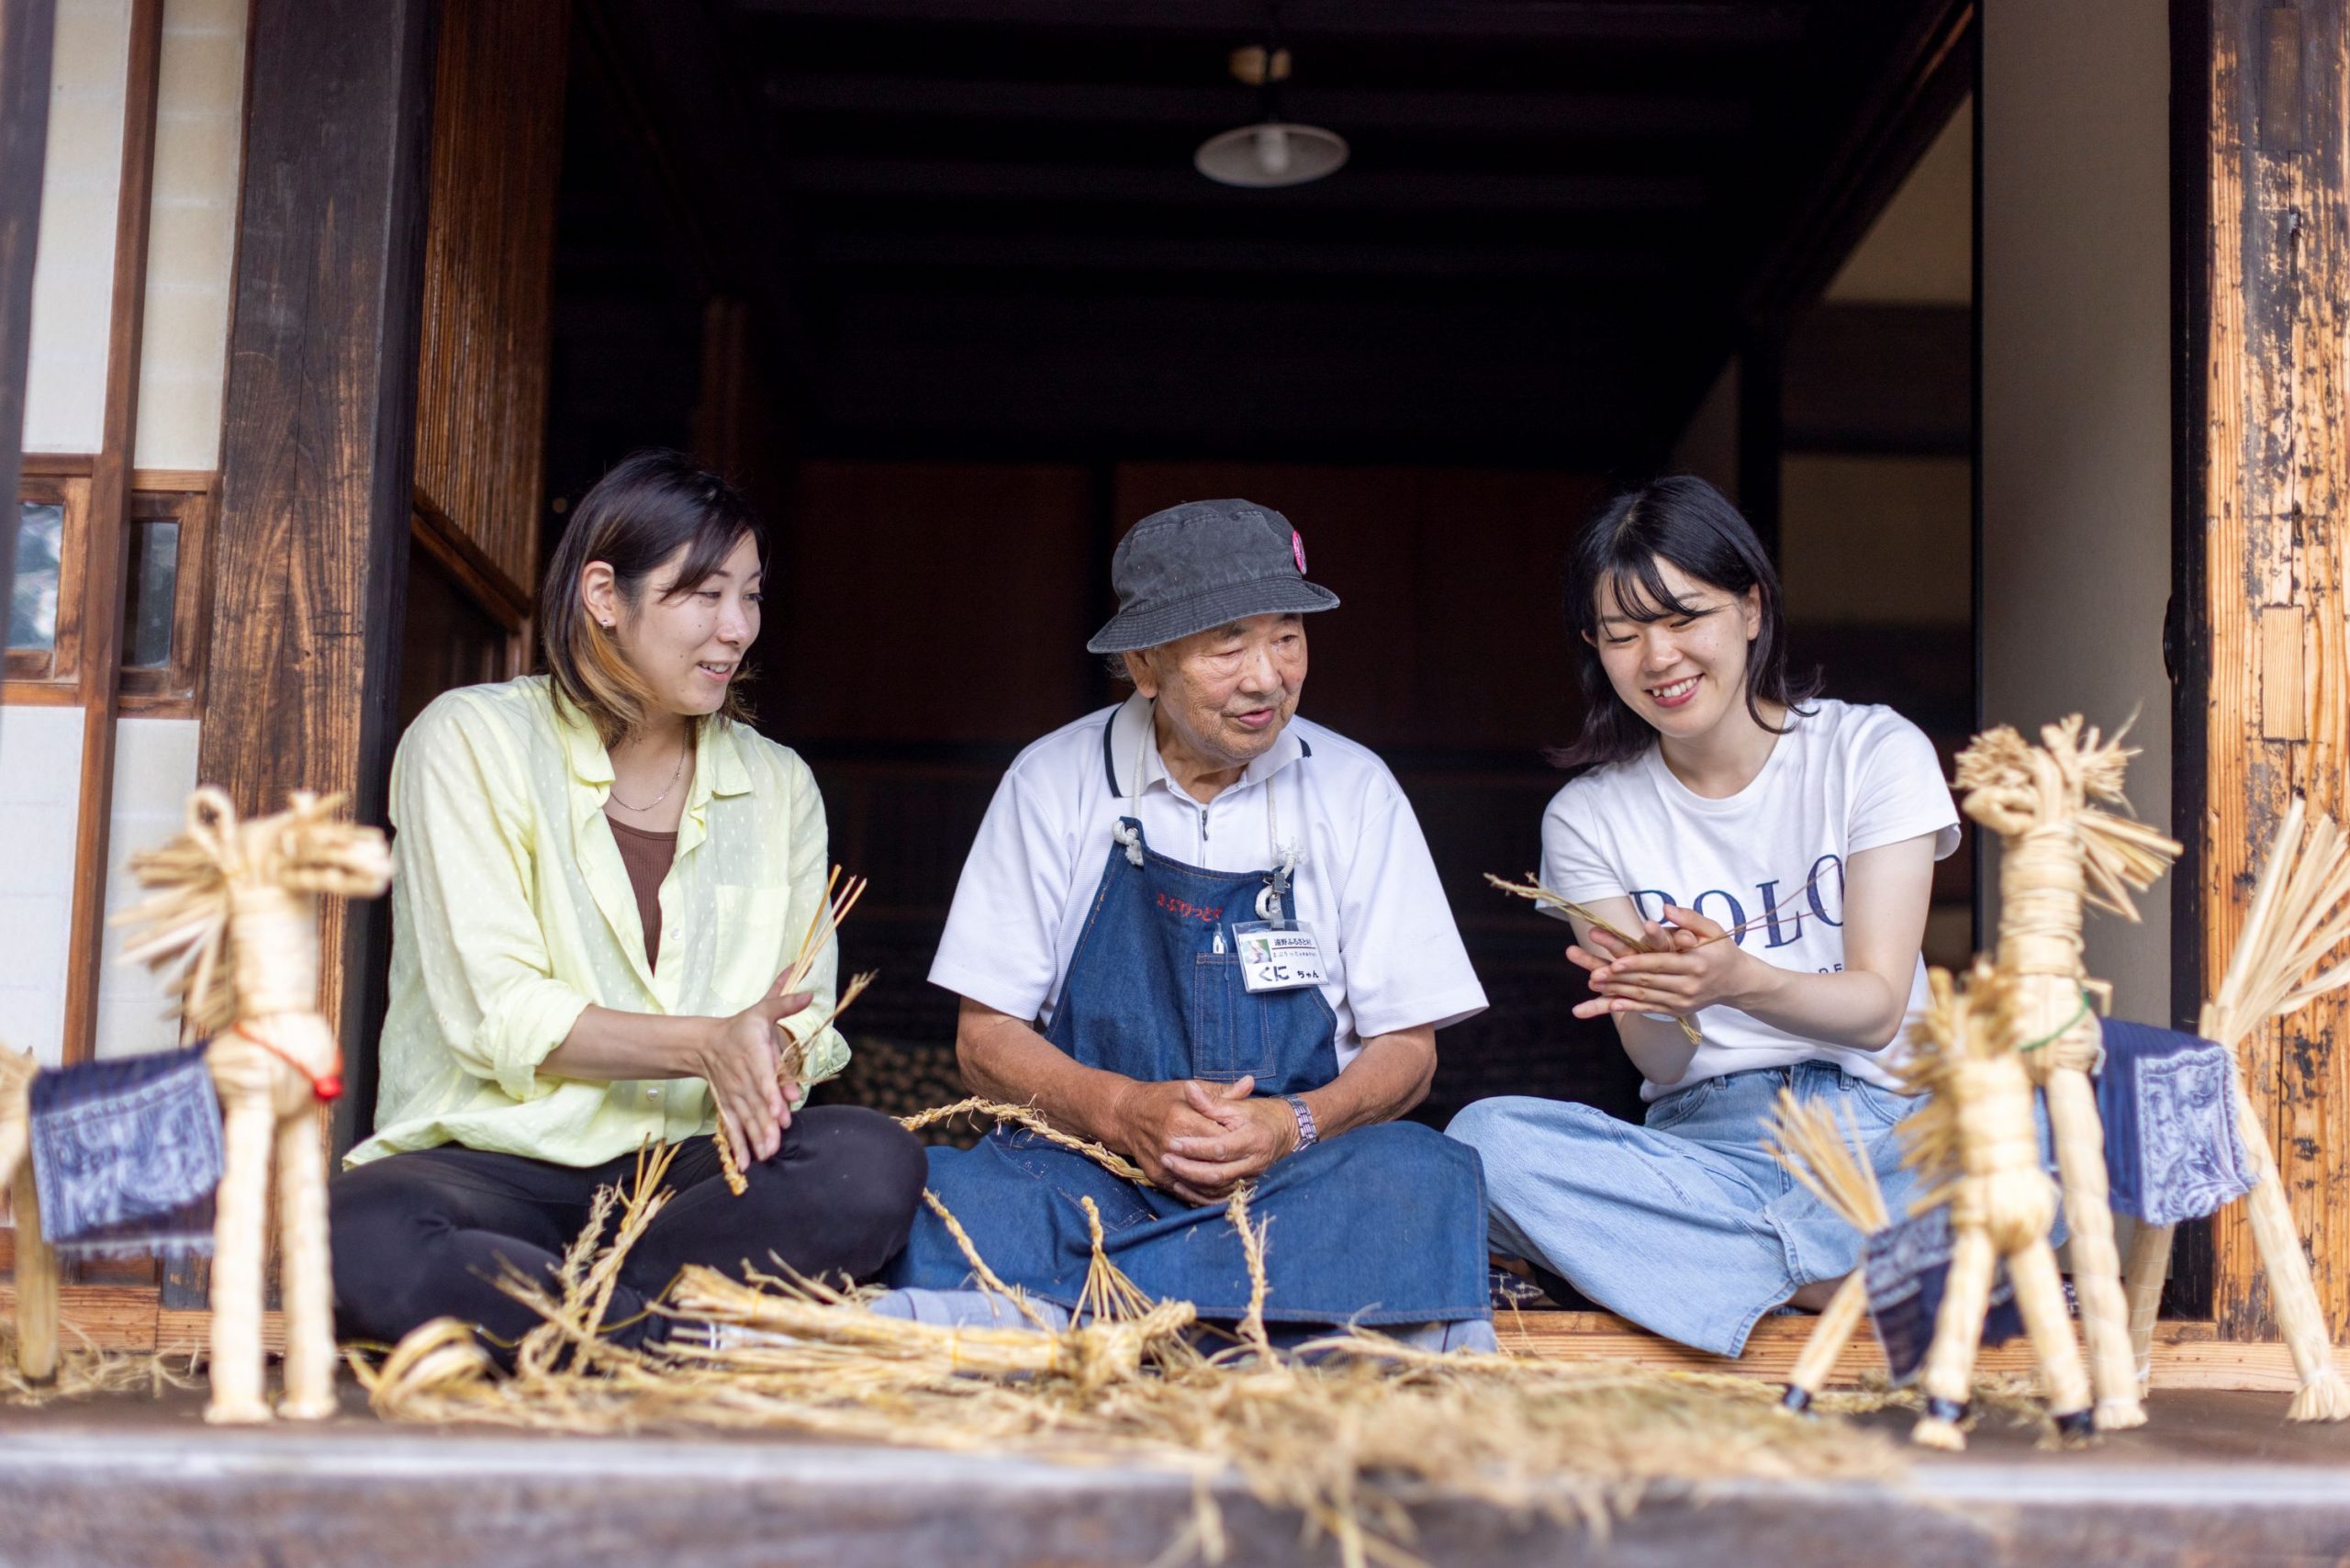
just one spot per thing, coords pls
(1205, 563)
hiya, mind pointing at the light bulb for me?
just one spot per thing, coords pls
(1272, 150)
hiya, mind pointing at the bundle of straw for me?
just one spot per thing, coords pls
(1831, 1161)
(823, 929)
(2300, 917)
(1338, 1440)
(1532, 889)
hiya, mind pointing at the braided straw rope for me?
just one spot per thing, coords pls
(2061, 853)
(234, 920)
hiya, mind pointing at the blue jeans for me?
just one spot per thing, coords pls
(1684, 1224)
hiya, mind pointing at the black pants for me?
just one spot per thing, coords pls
(426, 1235)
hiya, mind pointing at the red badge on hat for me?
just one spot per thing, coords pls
(1297, 548)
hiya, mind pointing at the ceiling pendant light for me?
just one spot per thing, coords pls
(1272, 151)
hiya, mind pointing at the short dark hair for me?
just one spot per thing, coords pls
(1688, 522)
(650, 505)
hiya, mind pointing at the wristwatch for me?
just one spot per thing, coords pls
(1308, 1135)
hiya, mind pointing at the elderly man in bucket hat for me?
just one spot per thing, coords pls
(1207, 934)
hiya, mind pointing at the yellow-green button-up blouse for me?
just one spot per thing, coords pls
(512, 911)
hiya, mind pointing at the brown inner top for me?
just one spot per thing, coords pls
(647, 856)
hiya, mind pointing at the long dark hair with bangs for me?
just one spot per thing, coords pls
(651, 505)
(1688, 522)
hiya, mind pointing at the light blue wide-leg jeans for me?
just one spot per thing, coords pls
(1682, 1223)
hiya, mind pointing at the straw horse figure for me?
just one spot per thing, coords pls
(235, 912)
(2061, 854)
(1975, 1144)
(2298, 917)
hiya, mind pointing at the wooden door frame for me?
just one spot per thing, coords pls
(2261, 263)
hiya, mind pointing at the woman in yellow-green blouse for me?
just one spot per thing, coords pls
(602, 875)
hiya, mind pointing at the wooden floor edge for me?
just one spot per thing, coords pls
(2187, 1354)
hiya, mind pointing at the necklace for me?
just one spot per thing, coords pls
(678, 773)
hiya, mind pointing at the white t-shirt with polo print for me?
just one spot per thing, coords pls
(1770, 858)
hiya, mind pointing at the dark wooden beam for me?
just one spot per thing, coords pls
(673, 74)
(1761, 435)
(28, 31)
(1697, 24)
(959, 253)
(1596, 115)
(98, 675)
(1406, 189)
(319, 454)
(1893, 379)
(1917, 88)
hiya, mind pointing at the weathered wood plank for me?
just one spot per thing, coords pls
(27, 32)
(106, 544)
(488, 276)
(2186, 1354)
(319, 451)
(2275, 467)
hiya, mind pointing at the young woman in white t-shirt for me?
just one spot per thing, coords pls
(1780, 849)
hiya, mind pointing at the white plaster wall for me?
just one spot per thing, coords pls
(65, 383)
(154, 770)
(1920, 250)
(192, 241)
(2076, 301)
(41, 772)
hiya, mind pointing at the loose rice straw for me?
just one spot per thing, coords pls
(823, 927)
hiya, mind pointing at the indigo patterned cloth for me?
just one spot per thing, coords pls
(2169, 1103)
(126, 1154)
(1905, 1266)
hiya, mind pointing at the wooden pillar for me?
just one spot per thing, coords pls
(99, 679)
(2267, 264)
(319, 460)
(27, 30)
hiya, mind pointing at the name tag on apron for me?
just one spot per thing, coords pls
(1277, 957)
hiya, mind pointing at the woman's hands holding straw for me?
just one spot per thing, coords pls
(1687, 965)
(738, 1061)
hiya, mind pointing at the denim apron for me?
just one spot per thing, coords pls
(1383, 1225)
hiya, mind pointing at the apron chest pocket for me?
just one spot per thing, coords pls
(1227, 1024)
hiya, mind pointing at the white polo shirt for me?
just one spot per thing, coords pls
(1392, 957)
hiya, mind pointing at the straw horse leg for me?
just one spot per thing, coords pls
(2097, 1264)
(2144, 1274)
(2291, 1291)
(36, 1281)
(1829, 1337)
(36, 1275)
(1958, 1335)
(304, 1274)
(2040, 1299)
(241, 1203)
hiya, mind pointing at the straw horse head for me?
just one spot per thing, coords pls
(234, 915)
(2051, 797)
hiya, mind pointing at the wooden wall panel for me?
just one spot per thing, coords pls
(318, 462)
(2275, 261)
(1448, 634)
(488, 271)
(929, 603)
